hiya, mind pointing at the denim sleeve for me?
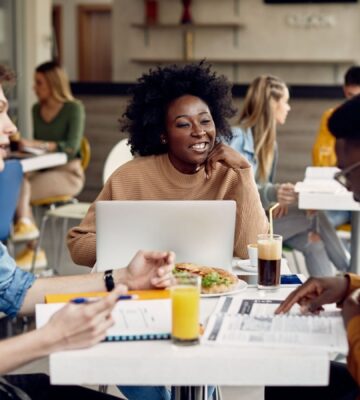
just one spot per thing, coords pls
(268, 190)
(14, 284)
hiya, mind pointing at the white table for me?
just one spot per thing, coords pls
(162, 363)
(339, 199)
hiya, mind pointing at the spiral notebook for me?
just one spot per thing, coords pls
(134, 319)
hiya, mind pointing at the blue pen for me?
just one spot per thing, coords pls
(128, 297)
(82, 300)
(79, 300)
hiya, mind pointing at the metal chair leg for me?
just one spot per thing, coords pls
(61, 244)
(38, 243)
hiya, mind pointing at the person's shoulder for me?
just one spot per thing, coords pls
(138, 164)
(327, 113)
(237, 130)
(240, 135)
(74, 106)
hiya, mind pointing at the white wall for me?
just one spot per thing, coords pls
(33, 47)
(276, 37)
(324, 37)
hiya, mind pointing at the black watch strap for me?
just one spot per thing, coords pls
(109, 280)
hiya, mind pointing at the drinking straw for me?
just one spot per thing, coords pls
(271, 218)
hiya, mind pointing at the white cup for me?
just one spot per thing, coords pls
(253, 254)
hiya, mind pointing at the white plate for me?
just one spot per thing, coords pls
(241, 285)
(244, 265)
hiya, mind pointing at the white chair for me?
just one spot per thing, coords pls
(120, 154)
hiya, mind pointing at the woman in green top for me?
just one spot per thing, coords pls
(58, 122)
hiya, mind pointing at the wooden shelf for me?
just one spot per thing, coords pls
(141, 60)
(185, 27)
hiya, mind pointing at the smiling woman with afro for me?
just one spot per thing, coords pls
(145, 115)
(177, 125)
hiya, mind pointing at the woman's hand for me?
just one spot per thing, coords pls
(150, 269)
(227, 156)
(286, 194)
(280, 211)
(23, 143)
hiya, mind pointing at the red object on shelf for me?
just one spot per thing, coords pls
(186, 17)
(151, 11)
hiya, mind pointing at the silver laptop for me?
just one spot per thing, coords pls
(198, 231)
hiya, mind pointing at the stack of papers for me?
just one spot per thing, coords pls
(320, 180)
(48, 160)
(320, 191)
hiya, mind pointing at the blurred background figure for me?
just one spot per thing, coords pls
(58, 125)
(323, 152)
(266, 105)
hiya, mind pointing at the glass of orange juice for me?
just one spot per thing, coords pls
(185, 296)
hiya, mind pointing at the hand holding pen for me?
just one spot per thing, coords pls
(83, 324)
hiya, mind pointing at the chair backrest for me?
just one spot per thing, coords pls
(10, 183)
(120, 154)
(85, 151)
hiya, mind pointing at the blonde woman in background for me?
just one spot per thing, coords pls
(266, 105)
(58, 126)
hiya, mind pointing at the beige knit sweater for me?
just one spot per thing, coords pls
(155, 178)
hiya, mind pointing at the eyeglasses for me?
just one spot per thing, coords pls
(342, 176)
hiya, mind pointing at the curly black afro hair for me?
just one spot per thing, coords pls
(144, 118)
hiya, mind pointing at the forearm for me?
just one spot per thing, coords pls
(251, 218)
(81, 240)
(61, 284)
(353, 331)
(268, 194)
(354, 283)
(82, 246)
(22, 349)
(69, 284)
(71, 144)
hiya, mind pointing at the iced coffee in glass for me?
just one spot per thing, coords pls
(269, 260)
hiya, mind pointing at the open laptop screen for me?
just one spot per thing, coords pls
(198, 231)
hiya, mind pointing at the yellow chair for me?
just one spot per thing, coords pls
(344, 231)
(60, 207)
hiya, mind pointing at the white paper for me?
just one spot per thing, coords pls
(239, 321)
(49, 160)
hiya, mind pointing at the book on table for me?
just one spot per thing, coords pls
(245, 322)
(134, 319)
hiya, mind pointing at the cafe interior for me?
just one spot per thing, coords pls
(104, 47)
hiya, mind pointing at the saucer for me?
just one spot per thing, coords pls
(244, 265)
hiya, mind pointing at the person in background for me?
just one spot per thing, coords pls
(266, 105)
(344, 290)
(323, 152)
(176, 120)
(74, 326)
(58, 126)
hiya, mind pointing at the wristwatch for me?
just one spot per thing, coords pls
(109, 280)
